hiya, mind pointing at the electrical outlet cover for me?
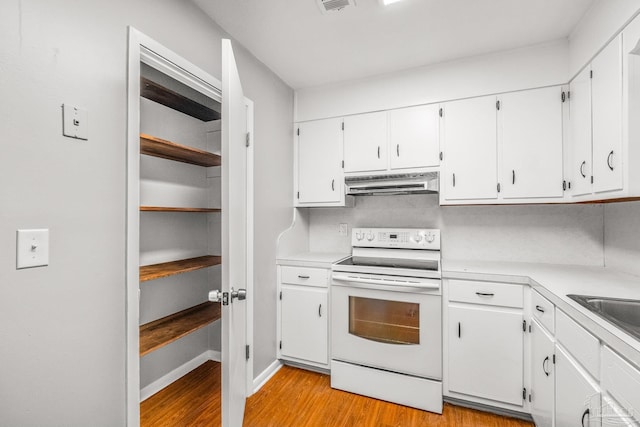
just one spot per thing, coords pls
(32, 248)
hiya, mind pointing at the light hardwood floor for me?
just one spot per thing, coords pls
(294, 397)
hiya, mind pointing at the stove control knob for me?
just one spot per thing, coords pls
(359, 236)
(370, 236)
(417, 238)
(430, 238)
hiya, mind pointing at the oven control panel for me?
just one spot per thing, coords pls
(406, 238)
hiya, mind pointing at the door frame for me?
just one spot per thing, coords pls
(143, 48)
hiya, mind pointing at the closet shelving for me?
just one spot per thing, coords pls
(164, 331)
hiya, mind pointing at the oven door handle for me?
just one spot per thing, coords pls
(388, 284)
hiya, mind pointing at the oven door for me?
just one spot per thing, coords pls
(387, 324)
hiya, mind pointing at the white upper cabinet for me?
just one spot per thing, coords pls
(580, 133)
(414, 137)
(470, 149)
(319, 163)
(530, 137)
(365, 142)
(606, 101)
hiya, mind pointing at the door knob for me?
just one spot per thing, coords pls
(241, 294)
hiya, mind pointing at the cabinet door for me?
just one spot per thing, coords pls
(470, 157)
(414, 137)
(530, 134)
(577, 396)
(606, 101)
(486, 353)
(542, 376)
(580, 133)
(365, 142)
(320, 161)
(304, 323)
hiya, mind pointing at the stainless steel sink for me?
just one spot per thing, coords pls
(624, 313)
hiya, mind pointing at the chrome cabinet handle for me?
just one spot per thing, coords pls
(609, 158)
(544, 365)
(540, 309)
(320, 310)
(378, 151)
(584, 414)
(582, 169)
(484, 294)
(398, 150)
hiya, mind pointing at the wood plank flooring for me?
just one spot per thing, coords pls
(294, 397)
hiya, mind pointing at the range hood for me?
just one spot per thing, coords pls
(409, 183)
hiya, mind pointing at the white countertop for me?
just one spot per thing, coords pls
(555, 282)
(312, 259)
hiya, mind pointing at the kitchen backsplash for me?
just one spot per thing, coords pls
(622, 236)
(561, 234)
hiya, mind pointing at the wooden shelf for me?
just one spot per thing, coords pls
(162, 95)
(152, 146)
(172, 209)
(166, 269)
(157, 334)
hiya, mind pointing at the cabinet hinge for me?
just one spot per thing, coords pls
(298, 194)
(564, 185)
(530, 397)
(342, 125)
(592, 179)
(343, 164)
(298, 131)
(441, 155)
(280, 295)
(498, 187)
(563, 97)
(524, 393)
(225, 298)
(246, 351)
(530, 327)
(248, 139)
(498, 105)
(440, 112)
(554, 359)
(569, 94)
(524, 326)
(591, 74)
(280, 344)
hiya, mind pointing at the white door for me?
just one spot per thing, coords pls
(304, 323)
(530, 137)
(577, 396)
(414, 137)
(470, 144)
(485, 353)
(606, 101)
(234, 240)
(320, 161)
(365, 142)
(542, 376)
(580, 133)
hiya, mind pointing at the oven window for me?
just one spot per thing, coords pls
(392, 322)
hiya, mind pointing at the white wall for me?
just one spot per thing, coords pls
(63, 326)
(536, 66)
(622, 236)
(597, 27)
(559, 234)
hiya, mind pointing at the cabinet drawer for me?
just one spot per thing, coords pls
(486, 293)
(621, 380)
(583, 346)
(305, 276)
(543, 310)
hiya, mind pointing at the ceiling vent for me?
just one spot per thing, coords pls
(334, 5)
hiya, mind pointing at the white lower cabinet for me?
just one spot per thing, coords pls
(485, 353)
(542, 393)
(304, 323)
(577, 394)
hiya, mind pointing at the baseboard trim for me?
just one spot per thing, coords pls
(487, 408)
(178, 373)
(266, 375)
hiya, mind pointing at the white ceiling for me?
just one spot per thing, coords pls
(307, 48)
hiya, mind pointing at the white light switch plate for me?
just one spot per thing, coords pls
(75, 122)
(32, 248)
(344, 229)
